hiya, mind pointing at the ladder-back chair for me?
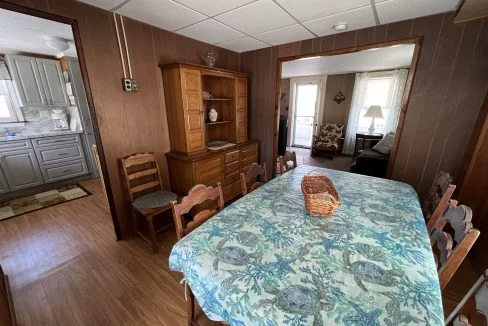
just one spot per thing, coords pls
(450, 250)
(438, 198)
(285, 160)
(254, 178)
(145, 191)
(207, 201)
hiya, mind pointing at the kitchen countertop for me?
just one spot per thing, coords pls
(39, 135)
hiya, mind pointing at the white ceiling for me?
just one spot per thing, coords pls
(245, 25)
(24, 33)
(392, 57)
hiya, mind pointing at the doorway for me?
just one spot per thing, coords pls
(60, 108)
(304, 113)
(336, 114)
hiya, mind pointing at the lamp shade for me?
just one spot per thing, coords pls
(374, 111)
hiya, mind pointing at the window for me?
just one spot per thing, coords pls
(377, 91)
(9, 107)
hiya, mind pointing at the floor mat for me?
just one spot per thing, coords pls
(19, 206)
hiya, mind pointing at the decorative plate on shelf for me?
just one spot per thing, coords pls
(216, 143)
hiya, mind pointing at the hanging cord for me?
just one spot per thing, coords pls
(120, 45)
(126, 46)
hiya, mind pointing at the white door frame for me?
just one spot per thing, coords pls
(321, 81)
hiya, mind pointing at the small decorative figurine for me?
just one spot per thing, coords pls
(212, 115)
(339, 98)
(209, 58)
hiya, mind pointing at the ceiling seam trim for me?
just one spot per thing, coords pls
(375, 12)
(294, 18)
(120, 5)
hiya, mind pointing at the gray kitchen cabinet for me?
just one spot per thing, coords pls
(27, 80)
(88, 137)
(60, 157)
(39, 82)
(21, 169)
(3, 184)
(53, 82)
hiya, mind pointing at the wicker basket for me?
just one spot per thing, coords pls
(321, 197)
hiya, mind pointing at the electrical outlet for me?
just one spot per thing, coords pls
(44, 114)
(135, 86)
(127, 84)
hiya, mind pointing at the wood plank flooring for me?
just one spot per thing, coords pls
(66, 268)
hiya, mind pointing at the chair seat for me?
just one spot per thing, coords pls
(155, 199)
(326, 145)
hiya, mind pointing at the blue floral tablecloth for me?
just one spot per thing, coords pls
(264, 261)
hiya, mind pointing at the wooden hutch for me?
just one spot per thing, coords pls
(190, 162)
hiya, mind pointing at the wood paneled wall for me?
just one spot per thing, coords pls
(129, 122)
(451, 80)
(473, 182)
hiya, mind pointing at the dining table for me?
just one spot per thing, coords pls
(263, 260)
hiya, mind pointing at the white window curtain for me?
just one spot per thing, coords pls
(390, 101)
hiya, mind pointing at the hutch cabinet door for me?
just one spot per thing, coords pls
(25, 74)
(21, 169)
(53, 82)
(241, 114)
(191, 85)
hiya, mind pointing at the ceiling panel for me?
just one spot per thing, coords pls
(165, 14)
(391, 57)
(355, 19)
(284, 35)
(243, 44)
(320, 8)
(213, 7)
(105, 4)
(210, 31)
(397, 10)
(257, 17)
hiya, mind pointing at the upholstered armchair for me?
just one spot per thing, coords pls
(329, 140)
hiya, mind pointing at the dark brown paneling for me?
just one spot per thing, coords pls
(128, 122)
(451, 80)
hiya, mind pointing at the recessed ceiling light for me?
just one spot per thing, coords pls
(341, 26)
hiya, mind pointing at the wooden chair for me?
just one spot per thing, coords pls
(438, 198)
(450, 251)
(249, 180)
(474, 303)
(144, 187)
(7, 312)
(286, 159)
(212, 201)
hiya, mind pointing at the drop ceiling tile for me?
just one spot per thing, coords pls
(104, 4)
(285, 35)
(257, 17)
(165, 14)
(243, 44)
(210, 31)
(320, 8)
(213, 7)
(355, 19)
(397, 10)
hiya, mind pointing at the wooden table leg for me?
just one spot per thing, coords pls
(152, 233)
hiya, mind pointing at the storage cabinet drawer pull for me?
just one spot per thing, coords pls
(63, 154)
(67, 171)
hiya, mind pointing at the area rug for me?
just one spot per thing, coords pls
(19, 206)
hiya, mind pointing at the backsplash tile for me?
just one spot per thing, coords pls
(35, 124)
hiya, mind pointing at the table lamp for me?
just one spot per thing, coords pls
(374, 111)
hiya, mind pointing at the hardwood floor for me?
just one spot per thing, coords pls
(66, 268)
